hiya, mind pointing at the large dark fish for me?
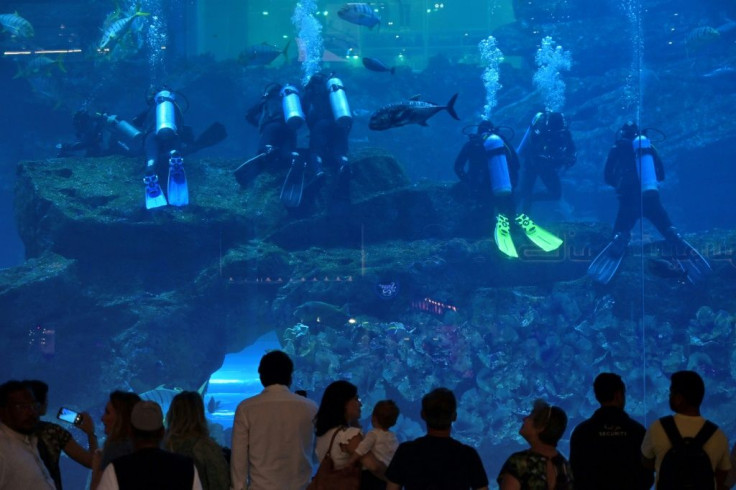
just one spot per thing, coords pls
(319, 312)
(262, 54)
(359, 13)
(377, 65)
(413, 111)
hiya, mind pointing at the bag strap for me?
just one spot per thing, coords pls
(329, 449)
(705, 432)
(708, 429)
(668, 424)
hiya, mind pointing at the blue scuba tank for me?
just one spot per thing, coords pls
(165, 114)
(292, 107)
(645, 163)
(339, 102)
(125, 131)
(497, 165)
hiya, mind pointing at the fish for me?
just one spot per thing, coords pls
(666, 268)
(16, 25)
(701, 36)
(213, 405)
(324, 313)
(40, 65)
(374, 64)
(162, 396)
(114, 29)
(262, 54)
(413, 111)
(360, 14)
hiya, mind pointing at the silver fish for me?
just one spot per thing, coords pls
(114, 30)
(359, 13)
(262, 54)
(413, 111)
(375, 64)
(16, 25)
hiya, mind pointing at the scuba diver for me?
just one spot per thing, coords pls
(635, 169)
(167, 138)
(488, 164)
(547, 148)
(100, 135)
(329, 120)
(277, 115)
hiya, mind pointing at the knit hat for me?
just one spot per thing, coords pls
(147, 416)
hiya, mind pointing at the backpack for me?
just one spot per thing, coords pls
(686, 465)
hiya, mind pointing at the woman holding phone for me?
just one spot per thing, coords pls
(53, 439)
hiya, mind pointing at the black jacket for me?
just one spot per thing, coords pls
(605, 452)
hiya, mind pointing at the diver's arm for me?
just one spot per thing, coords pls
(460, 161)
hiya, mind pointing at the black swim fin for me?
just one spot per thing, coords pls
(605, 265)
(691, 261)
(248, 170)
(293, 188)
(211, 136)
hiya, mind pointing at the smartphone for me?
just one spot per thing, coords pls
(70, 416)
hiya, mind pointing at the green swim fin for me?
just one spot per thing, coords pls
(541, 237)
(502, 236)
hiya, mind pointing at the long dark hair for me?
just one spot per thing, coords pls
(122, 402)
(331, 411)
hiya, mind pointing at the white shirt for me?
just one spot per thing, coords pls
(273, 436)
(109, 480)
(382, 443)
(20, 464)
(339, 457)
(656, 443)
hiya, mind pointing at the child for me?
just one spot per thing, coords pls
(379, 441)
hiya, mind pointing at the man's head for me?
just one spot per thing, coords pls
(147, 423)
(275, 369)
(687, 391)
(629, 130)
(439, 409)
(555, 121)
(18, 407)
(609, 389)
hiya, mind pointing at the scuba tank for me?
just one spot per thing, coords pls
(497, 165)
(165, 114)
(536, 118)
(645, 163)
(339, 102)
(123, 130)
(292, 107)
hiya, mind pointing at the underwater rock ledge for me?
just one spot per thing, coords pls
(113, 295)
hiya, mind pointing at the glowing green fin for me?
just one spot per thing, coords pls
(502, 237)
(541, 237)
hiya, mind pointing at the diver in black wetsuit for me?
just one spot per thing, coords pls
(471, 167)
(277, 141)
(635, 169)
(328, 131)
(547, 148)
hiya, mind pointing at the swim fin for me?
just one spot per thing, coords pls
(605, 265)
(691, 261)
(154, 195)
(248, 170)
(293, 188)
(178, 191)
(541, 237)
(502, 236)
(211, 136)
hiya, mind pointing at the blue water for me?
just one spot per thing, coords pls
(238, 379)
